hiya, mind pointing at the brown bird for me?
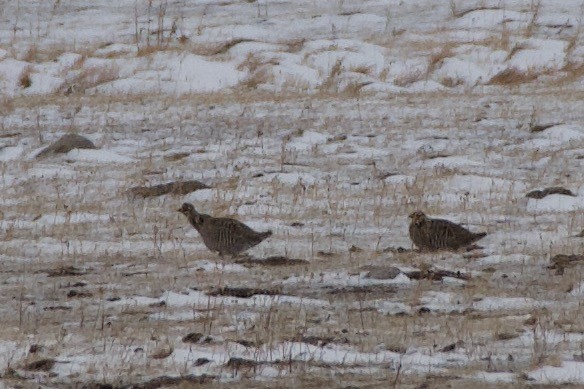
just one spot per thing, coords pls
(439, 234)
(222, 234)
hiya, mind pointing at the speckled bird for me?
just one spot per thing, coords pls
(221, 234)
(438, 234)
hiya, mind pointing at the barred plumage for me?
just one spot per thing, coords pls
(439, 234)
(221, 234)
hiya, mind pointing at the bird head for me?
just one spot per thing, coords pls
(189, 211)
(186, 208)
(418, 218)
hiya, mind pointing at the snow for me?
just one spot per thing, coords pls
(306, 141)
(175, 74)
(506, 303)
(564, 133)
(10, 73)
(490, 18)
(568, 372)
(545, 55)
(555, 203)
(496, 377)
(11, 152)
(292, 178)
(97, 156)
(344, 279)
(196, 298)
(75, 217)
(498, 259)
(333, 38)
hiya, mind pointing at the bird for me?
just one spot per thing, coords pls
(221, 234)
(439, 234)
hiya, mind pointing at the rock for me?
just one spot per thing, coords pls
(65, 144)
(383, 273)
(540, 194)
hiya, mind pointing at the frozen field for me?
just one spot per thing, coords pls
(327, 122)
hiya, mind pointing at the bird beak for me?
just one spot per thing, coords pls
(179, 210)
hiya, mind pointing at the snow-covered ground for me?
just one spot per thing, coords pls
(327, 122)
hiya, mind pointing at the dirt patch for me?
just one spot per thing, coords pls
(238, 363)
(561, 261)
(64, 271)
(248, 343)
(320, 341)
(175, 188)
(542, 127)
(243, 292)
(437, 275)
(78, 294)
(57, 308)
(176, 157)
(44, 364)
(166, 381)
(372, 291)
(193, 337)
(276, 260)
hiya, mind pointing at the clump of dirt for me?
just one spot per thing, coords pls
(276, 260)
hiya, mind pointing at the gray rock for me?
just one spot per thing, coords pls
(65, 144)
(383, 273)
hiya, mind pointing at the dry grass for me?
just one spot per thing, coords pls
(218, 48)
(331, 82)
(408, 78)
(24, 80)
(31, 55)
(531, 27)
(90, 77)
(435, 59)
(512, 76)
(573, 73)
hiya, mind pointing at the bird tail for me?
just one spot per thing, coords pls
(266, 234)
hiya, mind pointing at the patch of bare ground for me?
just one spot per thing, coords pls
(274, 260)
(175, 188)
(512, 76)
